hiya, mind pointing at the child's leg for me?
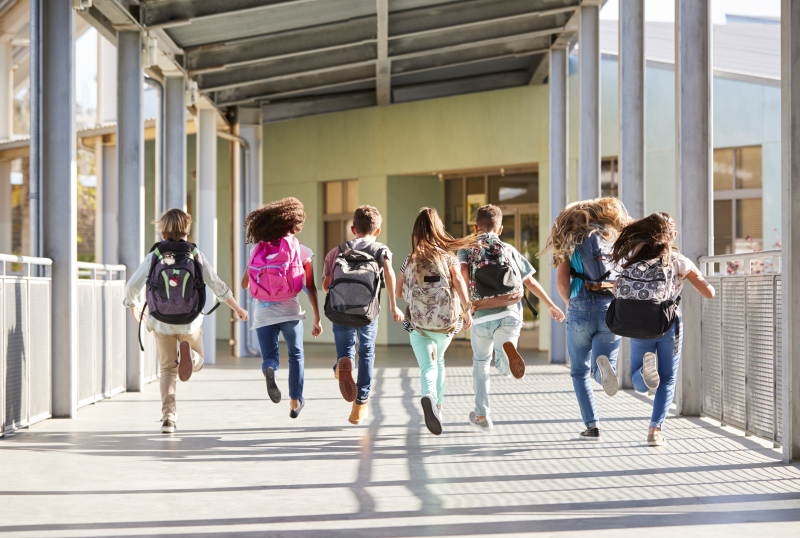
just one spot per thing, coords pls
(293, 334)
(507, 331)
(441, 346)
(424, 351)
(604, 342)
(344, 339)
(579, 347)
(167, 347)
(268, 342)
(196, 342)
(638, 349)
(669, 357)
(481, 339)
(366, 358)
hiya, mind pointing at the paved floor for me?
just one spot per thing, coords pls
(239, 466)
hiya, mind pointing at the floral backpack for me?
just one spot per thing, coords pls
(432, 301)
(492, 273)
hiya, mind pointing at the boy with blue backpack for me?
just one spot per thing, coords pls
(176, 273)
(353, 276)
(497, 275)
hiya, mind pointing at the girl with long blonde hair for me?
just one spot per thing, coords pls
(580, 244)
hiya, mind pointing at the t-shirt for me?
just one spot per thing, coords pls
(525, 270)
(355, 244)
(450, 260)
(266, 313)
(575, 262)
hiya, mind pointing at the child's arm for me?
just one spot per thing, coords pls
(134, 287)
(701, 285)
(463, 294)
(326, 282)
(398, 289)
(245, 280)
(536, 289)
(563, 282)
(241, 313)
(388, 274)
(312, 295)
(465, 272)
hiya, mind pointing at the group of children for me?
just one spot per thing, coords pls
(609, 268)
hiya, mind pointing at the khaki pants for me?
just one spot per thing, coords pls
(167, 345)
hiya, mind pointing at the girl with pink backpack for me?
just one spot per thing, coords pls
(279, 269)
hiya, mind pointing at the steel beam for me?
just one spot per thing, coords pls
(6, 130)
(589, 102)
(559, 172)
(175, 143)
(206, 213)
(273, 112)
(166, 14)
(130, 174)
(445, 88)
(693, 151)
(383, 67)
(60, 196)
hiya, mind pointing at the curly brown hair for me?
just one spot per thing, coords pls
(275, 220)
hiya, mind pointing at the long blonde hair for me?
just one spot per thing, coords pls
(606, 216)
(430, 241)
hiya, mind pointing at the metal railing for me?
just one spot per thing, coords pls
(741, 342)
(25, 341)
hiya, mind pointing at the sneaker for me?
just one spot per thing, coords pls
(441, 416)
(590, 434)
(608, 377)
(515, 362)
(432, 420)
(656, 439)
(272, 387)
(345, 375)
(650, 371)
(168, 426)
(185, 366)
(359, 413)
(484, 425)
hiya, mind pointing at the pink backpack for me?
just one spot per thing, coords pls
(276, 272)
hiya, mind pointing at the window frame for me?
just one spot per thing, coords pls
(735, 194)
(342, 218)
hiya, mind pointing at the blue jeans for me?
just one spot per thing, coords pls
(588, 337)
(487, 337)
(430, 357)
(270, 355)
(668, 350)
(345, 338)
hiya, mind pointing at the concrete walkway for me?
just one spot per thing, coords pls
(239, 466)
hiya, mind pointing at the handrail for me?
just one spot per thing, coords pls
(101, 266)
(737, 257)
(25, 259)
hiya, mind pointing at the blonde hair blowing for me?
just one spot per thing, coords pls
(174, 224)
(575, 222)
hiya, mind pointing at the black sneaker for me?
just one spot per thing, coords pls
(590, 434)
(431, 414)
(168, 426)
(272, 387)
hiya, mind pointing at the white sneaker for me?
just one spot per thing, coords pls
(608, 377)
(650, 371)
(482, 425)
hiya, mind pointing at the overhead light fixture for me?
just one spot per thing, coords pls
(191, 92)
(81, 5)
(149, 51)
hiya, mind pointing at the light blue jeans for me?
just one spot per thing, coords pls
(668, 350)
(430, 356)
(588, 337)
(270, 354)
(487, 337)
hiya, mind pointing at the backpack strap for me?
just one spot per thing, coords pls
(530, 306)
(140, 324)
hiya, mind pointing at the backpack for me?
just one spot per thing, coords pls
(432, 302)
(354, 294)
(494, 278)
(642, 307)
(275, 271)
(599, 273)
(175, 289)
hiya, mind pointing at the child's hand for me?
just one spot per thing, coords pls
(317, 330)
(137, 313)
(467, 320)
(555, 313)
(397, 314)
(242, 314)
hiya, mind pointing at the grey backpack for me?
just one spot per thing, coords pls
(354, 292)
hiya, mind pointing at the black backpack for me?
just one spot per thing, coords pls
(354, 294)
(598, 272)
(641, 307)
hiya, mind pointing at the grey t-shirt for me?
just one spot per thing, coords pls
(355, 244)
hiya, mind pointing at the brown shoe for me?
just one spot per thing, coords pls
(515, 362)
(359, 413)
(346, 384)
(185, 366)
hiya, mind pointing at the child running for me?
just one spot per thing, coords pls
(279, 269)
(496, 273)
(176, 274)
(352, 277)
(438, 305)
(652, 279)
(580, 241)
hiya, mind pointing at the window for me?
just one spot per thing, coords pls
(609, 178)
(737, 200)
(340, 201)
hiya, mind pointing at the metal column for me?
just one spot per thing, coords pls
(106, 229)
(589, 101)
(175, 143)
(206, 213)
(559, 144)
(130, 177)
(693, 153)
(6, 130)
(790, 226)
(60, 196)
(110, 194)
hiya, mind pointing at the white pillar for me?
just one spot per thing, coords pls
(559, 144)
(110, 204)
(130, 175)
(106, 228)
(106, 81)
(6, 130)
(790, 226)
(175, 143)
(205, 216)
(60, 197)
(693, 151)
(589, 101)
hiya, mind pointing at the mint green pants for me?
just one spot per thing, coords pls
(430, 356)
